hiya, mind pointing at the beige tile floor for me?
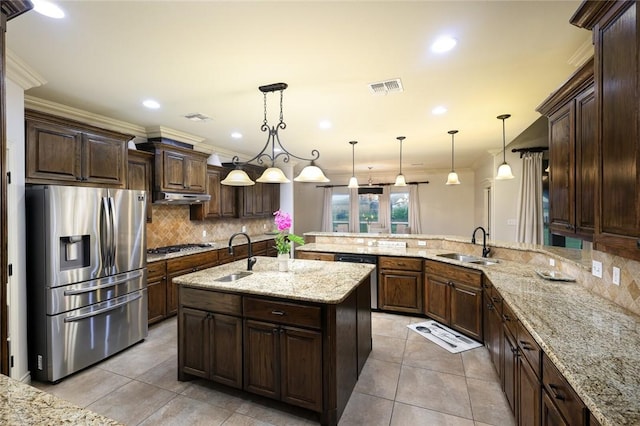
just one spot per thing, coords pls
(407, 380)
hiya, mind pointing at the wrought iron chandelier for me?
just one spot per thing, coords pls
(273, 174)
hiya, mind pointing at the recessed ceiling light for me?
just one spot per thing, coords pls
(439, 110)
(236, 135)
(48, 9)
(151, 104)
(443, 44)
(325, 124)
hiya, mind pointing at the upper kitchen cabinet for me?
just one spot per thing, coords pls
(572, 155)
(63, 151)
(259, 200)
(223, 197)
(616, 37)
(177, 168)
(140, 174)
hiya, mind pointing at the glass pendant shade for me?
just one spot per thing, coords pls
(353, 182)
(311, 173)
(400, 181)
(273, 175)
(452, 179)
(504, 171)
(237, 177)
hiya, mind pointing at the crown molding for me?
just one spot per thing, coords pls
(21, 73)
(583, 53)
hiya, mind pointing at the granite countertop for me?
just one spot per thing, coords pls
(213, 245)
(306, 280)
(22, 404)
(592, 341)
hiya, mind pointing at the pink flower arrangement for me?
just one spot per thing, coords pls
(283, 238)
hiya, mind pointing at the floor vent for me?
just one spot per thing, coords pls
(387, 86)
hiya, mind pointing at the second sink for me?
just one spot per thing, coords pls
(468, 259)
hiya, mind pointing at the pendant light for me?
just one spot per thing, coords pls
(400, 181)
(504, 171)
(452, 179)
(353, 182)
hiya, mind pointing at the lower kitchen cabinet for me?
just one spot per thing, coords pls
(550, 414)
(157, 291)
(510, 369)
(400, 284)
(314, 255)
(492, 324)
(561, 402)
(453, 296)
(529, 393)
(185, 265)
(284, 363)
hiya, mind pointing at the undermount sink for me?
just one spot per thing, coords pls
(234, 277)
(469, 259)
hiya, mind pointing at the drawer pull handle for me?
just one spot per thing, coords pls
(277, 313)
(496, 299)
(506, 318)
(554, 392)
(525, 345)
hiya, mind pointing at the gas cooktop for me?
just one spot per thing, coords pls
(177, 248)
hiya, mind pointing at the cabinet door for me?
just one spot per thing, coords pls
(466, 310)
(493, 334)
(401, 291)
(175, 169)
(228, 201)
(194, 342)
(226, 349)
(261, 358)
(617, 78)
(157, 299)
(437, 298)
(259, 191)
(53, 152)
(561, 171)
(212, 208)
(301, 367)
(529, 391)
(195, 174)
(104, 160)
(586, 164)
(139, 175)
(509, 369)
(550, 414)
(172, 293)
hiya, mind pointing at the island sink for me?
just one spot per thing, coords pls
(234, 277)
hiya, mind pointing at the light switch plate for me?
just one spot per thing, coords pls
(616, 275)
(422, 243)
(552, 262)
(596, 268)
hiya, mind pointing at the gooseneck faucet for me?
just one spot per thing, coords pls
(250, 259)
(485, 249)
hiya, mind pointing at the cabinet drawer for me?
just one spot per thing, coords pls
(468, 276)
(529, 348)
(212, 301)
(401, 263)
(509, 319)
(310, 255)
(282, 312)
(156, 270)
(240, 252)
(259, 247)
(192, 262)
(562, 394)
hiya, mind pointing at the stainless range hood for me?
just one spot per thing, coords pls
(179, 198)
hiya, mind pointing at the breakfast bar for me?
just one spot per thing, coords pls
(300, 337)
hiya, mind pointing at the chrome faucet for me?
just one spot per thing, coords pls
(250, 259)
(485, 249)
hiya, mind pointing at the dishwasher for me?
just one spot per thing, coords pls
(364, 258)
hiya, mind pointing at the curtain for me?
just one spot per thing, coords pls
(384, 208)
(414, 210)
(354, 211)
(530, 225)
(327, 211)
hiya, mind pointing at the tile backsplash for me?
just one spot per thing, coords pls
(171, 225)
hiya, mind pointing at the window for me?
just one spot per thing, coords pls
(368, 206)
(340, 212)
(399, 210)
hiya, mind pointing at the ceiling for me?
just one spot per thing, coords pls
(209, 57)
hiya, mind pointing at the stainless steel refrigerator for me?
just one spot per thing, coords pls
(86, 276)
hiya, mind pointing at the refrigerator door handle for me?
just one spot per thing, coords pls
(103, 310)
(101, 286)
(112, 215)
(105, 244)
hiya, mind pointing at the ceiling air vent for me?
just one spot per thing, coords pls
(196, 116)
(387, 86)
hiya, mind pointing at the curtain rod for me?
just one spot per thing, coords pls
(373, 184)
(523, 151)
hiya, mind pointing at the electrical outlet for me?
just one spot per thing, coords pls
(422, 243)
(596, 268)
(616, 275)
(204, 234)
(552, 262)
(244, 228)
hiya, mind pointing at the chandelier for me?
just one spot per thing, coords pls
(273, 150)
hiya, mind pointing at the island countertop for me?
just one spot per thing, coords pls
(306, 280)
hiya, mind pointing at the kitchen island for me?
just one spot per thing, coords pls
(301, 337)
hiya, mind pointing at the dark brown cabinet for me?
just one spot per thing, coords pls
(510, 368)
(314, 255)
(211, 209)
(616, 36)
(210, 336)
(453, 295)
(492, 324)
(572, 155)
(63, 151)
(184, 265)
(140, 175)
(400, 284)
(157, 291)
(560, 398)
(529, 395)
(259, 200)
